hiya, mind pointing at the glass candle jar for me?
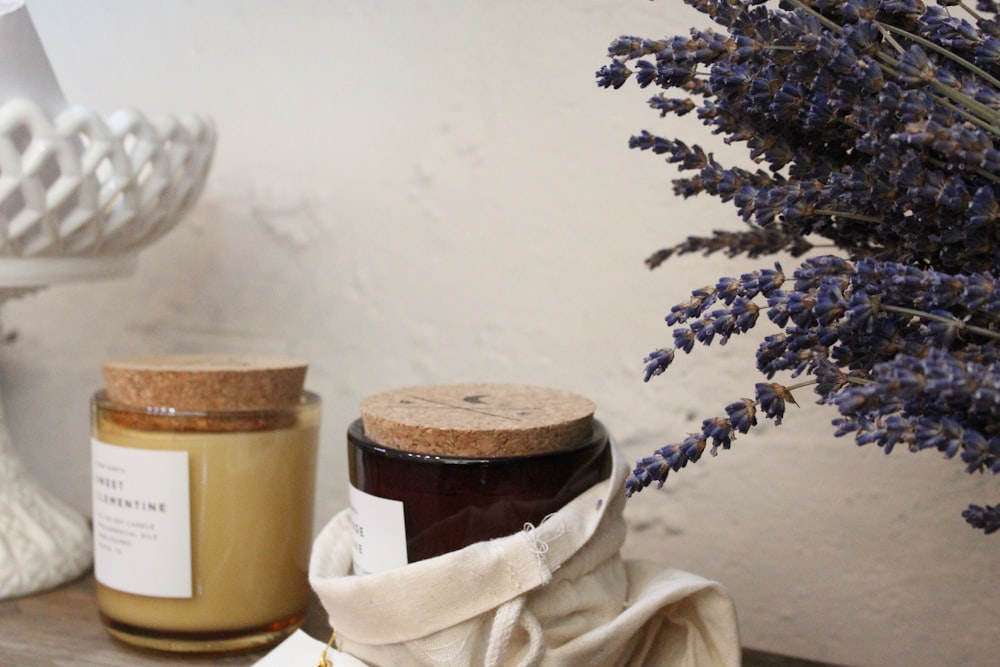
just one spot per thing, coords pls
(450, 502)
(435, 469)
(202, 517)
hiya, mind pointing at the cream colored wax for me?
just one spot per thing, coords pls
(251, 495)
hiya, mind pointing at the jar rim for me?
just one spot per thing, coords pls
(356, 436)
(100, 399)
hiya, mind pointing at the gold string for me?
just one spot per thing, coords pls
(323, 661)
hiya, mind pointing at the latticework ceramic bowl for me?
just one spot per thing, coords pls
(80, 195)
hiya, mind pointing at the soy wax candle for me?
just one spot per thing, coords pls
(436, 468)
(203, 471)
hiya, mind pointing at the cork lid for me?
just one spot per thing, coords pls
(205, 382)
(478, 420)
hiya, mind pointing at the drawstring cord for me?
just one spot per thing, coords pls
(513, 613)
(508, 617)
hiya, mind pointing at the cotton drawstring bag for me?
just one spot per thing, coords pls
(558, 594)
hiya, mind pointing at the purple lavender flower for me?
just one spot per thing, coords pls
(655, 468)
(772, 397)
(742, 414)
(658, 361)
(876, 125)
(985, 518)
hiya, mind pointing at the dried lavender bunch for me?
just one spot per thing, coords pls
(875, 124)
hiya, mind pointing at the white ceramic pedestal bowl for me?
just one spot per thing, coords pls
(80, 196)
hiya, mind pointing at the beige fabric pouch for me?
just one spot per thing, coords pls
(555, 595)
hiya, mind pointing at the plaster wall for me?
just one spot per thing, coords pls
(426, 192)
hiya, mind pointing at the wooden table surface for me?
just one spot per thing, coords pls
(60, 628)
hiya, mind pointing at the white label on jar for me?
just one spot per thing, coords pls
(142, 520)
(379, 532)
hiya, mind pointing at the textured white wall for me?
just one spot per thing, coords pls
(426, 192)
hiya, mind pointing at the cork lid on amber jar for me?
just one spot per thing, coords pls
(205, 382)
(478, 420)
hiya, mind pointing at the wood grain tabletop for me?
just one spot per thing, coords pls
(60, 628)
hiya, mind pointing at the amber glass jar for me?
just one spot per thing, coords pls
(202, 518)
(451, 502)
(435, 469)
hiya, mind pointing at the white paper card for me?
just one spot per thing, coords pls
(142, 520)
(301, 650)
(379, 532)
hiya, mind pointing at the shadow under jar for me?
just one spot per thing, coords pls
(203, 519)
